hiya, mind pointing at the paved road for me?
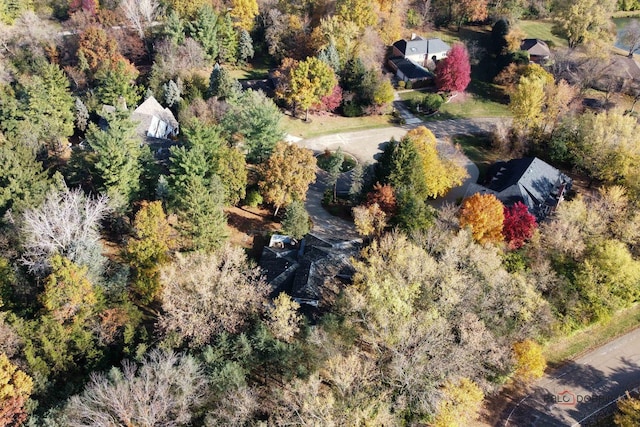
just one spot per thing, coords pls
(583, 389)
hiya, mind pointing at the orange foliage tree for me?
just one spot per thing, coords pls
(15, 389)
(484, 214)
(385, 197)
(96, 47)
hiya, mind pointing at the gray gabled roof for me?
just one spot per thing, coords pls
(411, 69)
(419, 45)
(529, 180)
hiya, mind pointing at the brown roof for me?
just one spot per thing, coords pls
(535, 47)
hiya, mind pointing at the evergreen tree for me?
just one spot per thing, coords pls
(118, 83)
(174, 28)
(171, 93)
(245, 46)
(82, 115)
(256, 118)
(202, 219)
(204, 29)
(45, 114)
(222, 85)
(227, 40)
(330, 56)
(23, 182)
(296, 220)
(116, 165)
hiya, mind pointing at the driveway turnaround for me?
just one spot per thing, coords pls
(582, 390)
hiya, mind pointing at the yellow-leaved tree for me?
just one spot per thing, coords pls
(459, 405)
(244, 13)
(530, 362)
(287, 175)
(441, 174)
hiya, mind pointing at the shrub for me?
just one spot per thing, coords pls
(351, 109)
(253, 199)
(401, 84)
(408, 84)
(432, 102)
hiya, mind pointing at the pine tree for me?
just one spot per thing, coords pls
(116, 166)
(116, 83)
(23, 182)
(330, 56)
(174, 28)
(202, 220)
(296, 220)
(222, 85)
(204, 29)
(227, 40)
(171, 93)
(245, 47)
(82, 115)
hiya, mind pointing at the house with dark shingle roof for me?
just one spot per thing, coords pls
(538, 50)
(529, 180)
(310, 271)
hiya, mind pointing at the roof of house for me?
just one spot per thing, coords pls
(626, 67)
(150, 114)
(410, 69)
(535, 47)
(418, 46)
(529, 180)
(308, 270)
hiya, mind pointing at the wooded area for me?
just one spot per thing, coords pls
(125, 136)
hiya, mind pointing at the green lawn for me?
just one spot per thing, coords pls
(319, 125)
(478, 149)
(258, 68)
(564, 348)
(478, 101)
(542, 30)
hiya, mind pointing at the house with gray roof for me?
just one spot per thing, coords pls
(421, 51)
(529, 180)
(411, 59)
(312, 270)
(154, 121)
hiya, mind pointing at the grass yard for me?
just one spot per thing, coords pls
(479, 101)
(258, 68)
(478, 149)
(592, 337)
(542, 30)
(319, 125)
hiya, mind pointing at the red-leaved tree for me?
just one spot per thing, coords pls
(518, 225)
(330, 102)
(453, 73)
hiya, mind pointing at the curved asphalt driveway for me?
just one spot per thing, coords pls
(583, 389)
(366, 145)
